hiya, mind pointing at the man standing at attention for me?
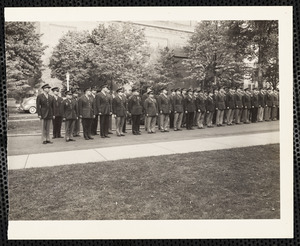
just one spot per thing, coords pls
(230, 105)
(104, 110)
(164, 108)
(95, 120)
(86, 113)
(70, 115)
(171, 97)
(189, 109)
(144, 97)
(119, 111)
(220, 107)
(135, 108)
(178, 109)
(76, 132)
(151, 110)
(57, 114)
(44, 106)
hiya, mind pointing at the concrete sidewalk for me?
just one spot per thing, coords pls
(140, 150)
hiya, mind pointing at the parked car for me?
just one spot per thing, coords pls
(29, 105)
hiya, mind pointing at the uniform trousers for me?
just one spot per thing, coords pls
(172, 120)
(146, 122)
(104, 125)
(110, 123)
(124, 124)
(164, 121)
(260, 114)
(229, 115)
(246, 115)
(69, 128)
(209, 117)
(177, 120)
(200, 118)
(238, 114)
(94, 125)
(136, 120)
(267, 113)
(87, 127)
(189, 120)
(274, 112)
(254, 112)
(57, 122)
(45, 127)
(219, 117)
(151, 122)
(119, 125)
(76, 130)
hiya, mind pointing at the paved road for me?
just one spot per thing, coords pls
(32, 144)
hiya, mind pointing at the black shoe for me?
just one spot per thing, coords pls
(90, 137)
(44, 142)
(135, 133)
(49, 142)
(179, 129)
(139, 133)
(150, 132)
(72, 139)
(122, 135)
(102, 136)
(119, 136)
(67, 140)
(110, 133)
(125, 132)
(107, 136)
(60, 137)
(86, 138)
(53, 137)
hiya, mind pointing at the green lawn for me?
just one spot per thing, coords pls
(223, 184)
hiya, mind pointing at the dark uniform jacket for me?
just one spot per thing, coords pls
(119, 106)
(238, 100)
(269, 100)
(151, 107)
(135, 105)
(69, 109)
(86, 107)
(275, 100)
(246, 101)
(254, 101)
(230, 101)
(201, 103)
(220, 101)
(210, 104)
(57, 106)
(189, 104)
(178, 103)
(164, 104)
(44, 106)
(261, 100)
(171, 99)
(103, 104)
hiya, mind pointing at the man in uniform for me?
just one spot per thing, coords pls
(109, 94)
(76, 132)
(144, 97)
(238, 105)
(230, 105)
(171, 97)
(125, 97)
(178, 109)
(57, 114)
(119, 111)
(200, 105)
(135, 108)
(104, 110)
(246, 105)
(275, 105)
(220, 106)
(269, 104)
(164, 109)
(254, 105)
(95, 120)
(44, 106)
(184, 95)
(210, 108)
(70, 115)
(151, 110)
(189, 109)
(86, 113)
(261, 105)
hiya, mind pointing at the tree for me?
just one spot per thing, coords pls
(23, 58)
(213, 60)
(113, 54)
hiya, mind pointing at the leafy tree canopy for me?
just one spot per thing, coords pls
(23, 58)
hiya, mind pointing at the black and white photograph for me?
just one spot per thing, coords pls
(149, 122)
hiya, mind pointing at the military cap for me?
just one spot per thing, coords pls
(46, 86)
(68, 93)
(103, 86)
(150, 92)
(87, 89)
(183, 89)
(163, 88)
(189, 90)
(94, 88)
(172, 90)
(55, 89)
(178, 89)
(119, 89)
(196, 90)
(246, 89)
(255, 89)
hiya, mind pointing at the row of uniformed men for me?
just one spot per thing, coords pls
(193, 107)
